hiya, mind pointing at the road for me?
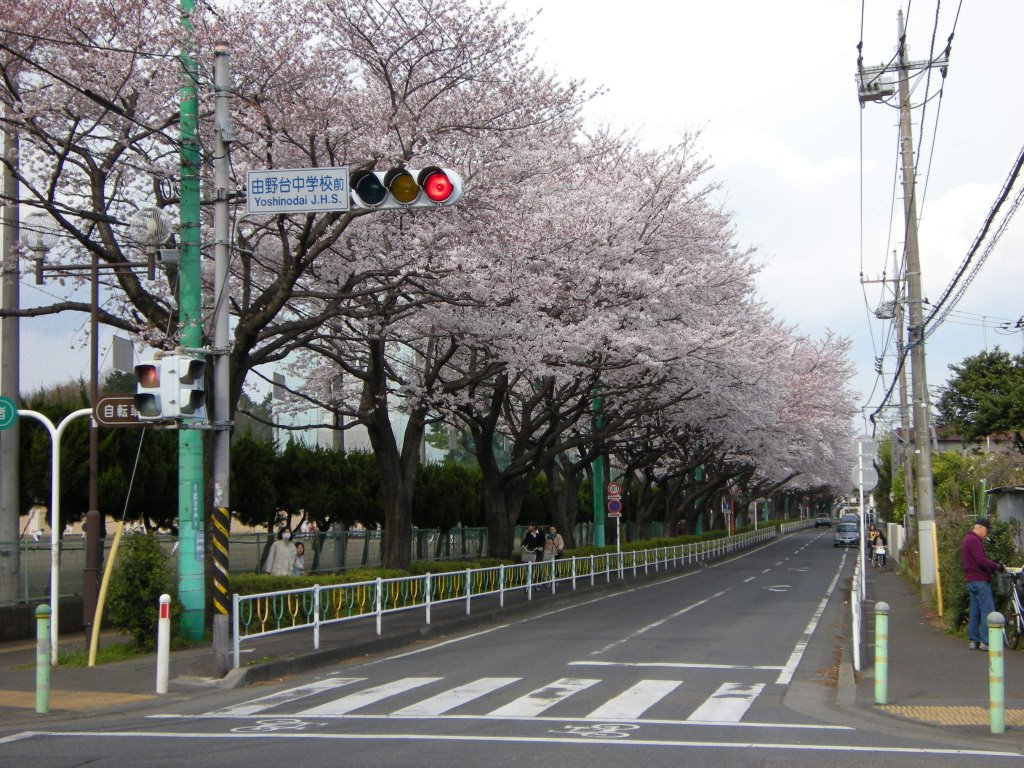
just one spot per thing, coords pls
(731, 665)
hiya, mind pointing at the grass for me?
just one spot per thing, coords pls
(104, 655)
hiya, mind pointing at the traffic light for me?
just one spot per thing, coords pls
(403, 188)
(147, 391)
(172, 388)
(184, 387)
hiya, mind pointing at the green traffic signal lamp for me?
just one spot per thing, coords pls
(368, 190)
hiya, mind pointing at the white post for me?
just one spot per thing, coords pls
(163, 644)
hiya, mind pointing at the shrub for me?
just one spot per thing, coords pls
(133, 598)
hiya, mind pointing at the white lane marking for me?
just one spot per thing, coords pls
(728, 704)
(766, 570)
(658, 623)
(574, 606)
(748, 580)
(448, 700)
(535, 702)
(786, 675)
(369, 696)
(777, 588)
(520, 740)
(283, 697)
(632, 703)
(673, 665)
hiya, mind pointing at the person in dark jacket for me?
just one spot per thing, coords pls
(978, 570)
(533, 541)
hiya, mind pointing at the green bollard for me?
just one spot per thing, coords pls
(43, 659)
(996, 700)
(881, 653)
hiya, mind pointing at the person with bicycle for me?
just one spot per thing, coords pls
(533, 543)
(978, 570)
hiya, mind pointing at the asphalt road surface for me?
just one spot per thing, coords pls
(732, 665)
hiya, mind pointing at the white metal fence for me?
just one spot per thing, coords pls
(272, 613)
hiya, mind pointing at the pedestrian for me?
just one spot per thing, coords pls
(978, 570)
(553, 544)
(281, 557)
(533, 543)
(299, 566)
(879, 549)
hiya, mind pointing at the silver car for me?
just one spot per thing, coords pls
(846, 535)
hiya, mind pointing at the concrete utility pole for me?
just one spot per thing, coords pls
(874, 87)
(904, 446)
(224, 135)
(10, 381)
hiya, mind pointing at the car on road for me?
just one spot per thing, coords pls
(846, 535)
(823, 519)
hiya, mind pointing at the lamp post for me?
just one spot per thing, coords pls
(39, 235)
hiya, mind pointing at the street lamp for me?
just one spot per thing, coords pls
(39, 236)
(150, 227)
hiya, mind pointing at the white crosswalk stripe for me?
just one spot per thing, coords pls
(456, 697)
(370, 696)
(632, 703)
(536, 702)
(729, 704)
(284, 697)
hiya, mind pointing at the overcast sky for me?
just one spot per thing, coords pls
(771, 87)
(808, 173)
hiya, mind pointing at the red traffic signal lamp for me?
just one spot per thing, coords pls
(404, 188)
(147, 391)
(171, 388)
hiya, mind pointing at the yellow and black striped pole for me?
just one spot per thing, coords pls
(221, 525)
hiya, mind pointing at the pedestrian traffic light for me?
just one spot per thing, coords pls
(171, 388)
(147, 391)
(403, 188)
(184, 387)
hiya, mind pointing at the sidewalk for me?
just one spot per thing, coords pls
(933, 678)
(124, 685)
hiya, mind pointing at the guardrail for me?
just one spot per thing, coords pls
(272, 613)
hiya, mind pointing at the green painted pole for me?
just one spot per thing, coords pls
(191, 550)
(881, 653)
(698, 475)
(43, 659)
(996, 694)
(598, 466)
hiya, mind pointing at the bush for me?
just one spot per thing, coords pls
(133, 598)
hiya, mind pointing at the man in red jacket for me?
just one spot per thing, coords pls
(978, 570)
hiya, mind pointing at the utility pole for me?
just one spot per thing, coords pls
(874, 87)
(10, 383)
(221, 512)
(191, 520)
(904, 444)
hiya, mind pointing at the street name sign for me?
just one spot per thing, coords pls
(296, 190)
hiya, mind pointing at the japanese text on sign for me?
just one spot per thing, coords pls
(297, 190)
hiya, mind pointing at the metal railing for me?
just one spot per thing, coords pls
(272, 613)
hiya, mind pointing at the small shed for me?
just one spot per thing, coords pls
(1009, 502)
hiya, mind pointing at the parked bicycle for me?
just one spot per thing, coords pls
(1012, 609)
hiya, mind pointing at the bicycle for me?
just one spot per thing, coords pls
(1012, 609)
